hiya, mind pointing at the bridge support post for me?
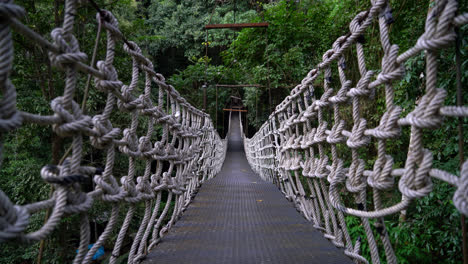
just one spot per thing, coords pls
(204, 97)
(460, 136)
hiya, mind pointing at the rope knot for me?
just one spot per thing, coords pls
(321, 170)
(357, 138)
(391, 69)
(160, 77)
(159, 147)
(340, 96)
(354, 183)
(135, 51)
(326, 59)
(144, 146)
(320, 135)
(416, 182)
(310, 111)
(69, 49)
(129, 186)
(309, 79)
(175, 126)
(111, 82)
(129, 102)
(388, 126)
(435, 43)
(337, 47)
(362, 87)
(460, 198)
(381, 177)
(104, 133)
(71, 123)
(337, 172)
(290, 121)
(323, 102)
(294, 163)
(143, 186)
(111, 191)
(426, 114)
(165, 118)
(109, 22)
(161, 183)
(14, 219)
(78, 202)
(130, 141)
(132, 48)
(309, 138)
(356, 23)
(439, 29)
(335, 136)
(306, 167)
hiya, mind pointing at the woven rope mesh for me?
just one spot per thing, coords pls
(164, 130)
(311, 146)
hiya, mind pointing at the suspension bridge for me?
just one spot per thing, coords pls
(277, 197)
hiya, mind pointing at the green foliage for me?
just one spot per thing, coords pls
(423, 237)
(180, 25)
(172, 33)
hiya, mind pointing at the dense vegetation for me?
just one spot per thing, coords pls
(172, 33)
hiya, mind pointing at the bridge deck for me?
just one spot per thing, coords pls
(239, 218)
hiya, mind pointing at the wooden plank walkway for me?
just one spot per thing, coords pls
(239, 218)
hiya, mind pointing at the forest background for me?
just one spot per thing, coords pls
(172, 33)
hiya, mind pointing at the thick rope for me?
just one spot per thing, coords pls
(307, 136)
(189, 143)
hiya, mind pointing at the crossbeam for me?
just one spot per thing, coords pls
(235, 110)
(238, 85)
(237, 25)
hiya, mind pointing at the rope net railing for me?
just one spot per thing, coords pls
(315, 157)
(187, 152)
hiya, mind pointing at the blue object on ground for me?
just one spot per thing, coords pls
(99, 253)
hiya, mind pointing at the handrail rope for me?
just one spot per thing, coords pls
(189, 143)
(298, 144)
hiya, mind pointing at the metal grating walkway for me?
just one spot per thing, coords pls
(239, 218)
